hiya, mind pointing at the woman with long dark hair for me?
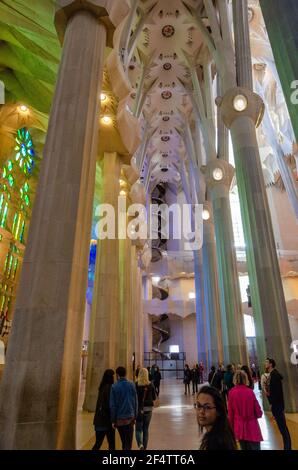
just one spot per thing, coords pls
(102, 418)
(212, 418)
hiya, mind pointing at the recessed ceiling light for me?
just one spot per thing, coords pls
(103, 97)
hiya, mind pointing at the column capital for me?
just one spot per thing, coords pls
(218, 177)
(240, 102)
(65, 9)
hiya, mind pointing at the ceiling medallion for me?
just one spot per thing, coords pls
(168, 31)
(165, 138)
(166, 95)
(167, 66)
(166, 118)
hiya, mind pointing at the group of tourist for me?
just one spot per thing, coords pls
(227, 408)
(122, 405)
(194, 376)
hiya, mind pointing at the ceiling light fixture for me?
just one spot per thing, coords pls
(240, 103)
(103, 97)
(122, 193)
(206, 214)
(23, 108)
(106, 119)
(217, 174)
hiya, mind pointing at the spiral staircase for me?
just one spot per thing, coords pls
(160, 324)
(159, 241)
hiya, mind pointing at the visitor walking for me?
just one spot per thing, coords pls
(146, 397)
(187, 379)
(194, 379)
(102, 418)
(124, 407)
(244, 412)
(276, 400)
(156, 381)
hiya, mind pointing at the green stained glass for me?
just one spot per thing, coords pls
(25, 152)
(22, 232)
(10, 165)
(18, 227)
(1, 236)
(4, 187)
(26, 187)
(10, 180)
(1, 201)
(14, 223)
(4, 216)
(10, 266)
(27, 200)
(4, 173)
(16, 262)
(6, 261)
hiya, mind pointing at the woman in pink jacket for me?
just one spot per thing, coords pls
(244, 411)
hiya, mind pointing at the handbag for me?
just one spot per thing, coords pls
(141, 411)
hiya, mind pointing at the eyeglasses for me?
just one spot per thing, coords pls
(200, 407)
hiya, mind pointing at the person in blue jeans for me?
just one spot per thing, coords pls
(276, 399)
(124, 407)
(146, 396)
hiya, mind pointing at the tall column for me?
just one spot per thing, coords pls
(218, 345)
(201, 321)
(104, 337)
(40, 384)
(219, 174)
(242, 111)
(281, 22)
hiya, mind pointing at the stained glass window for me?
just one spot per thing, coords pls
(25, 151)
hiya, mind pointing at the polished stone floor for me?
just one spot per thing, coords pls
(174, 427)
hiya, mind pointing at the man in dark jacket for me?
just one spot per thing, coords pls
(124, 407)
(276, 399)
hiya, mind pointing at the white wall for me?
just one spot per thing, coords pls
(183, 332)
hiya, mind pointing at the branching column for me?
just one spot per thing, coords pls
(242, 111)
(219, 174)
(218, 343)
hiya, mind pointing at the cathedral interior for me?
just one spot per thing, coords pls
(190, 105)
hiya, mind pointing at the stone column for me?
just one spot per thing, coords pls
(241, 116)
(218, 345)
(40, 384)
(231, 305)
(104, 337)
(201, 321)
(136, 290)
